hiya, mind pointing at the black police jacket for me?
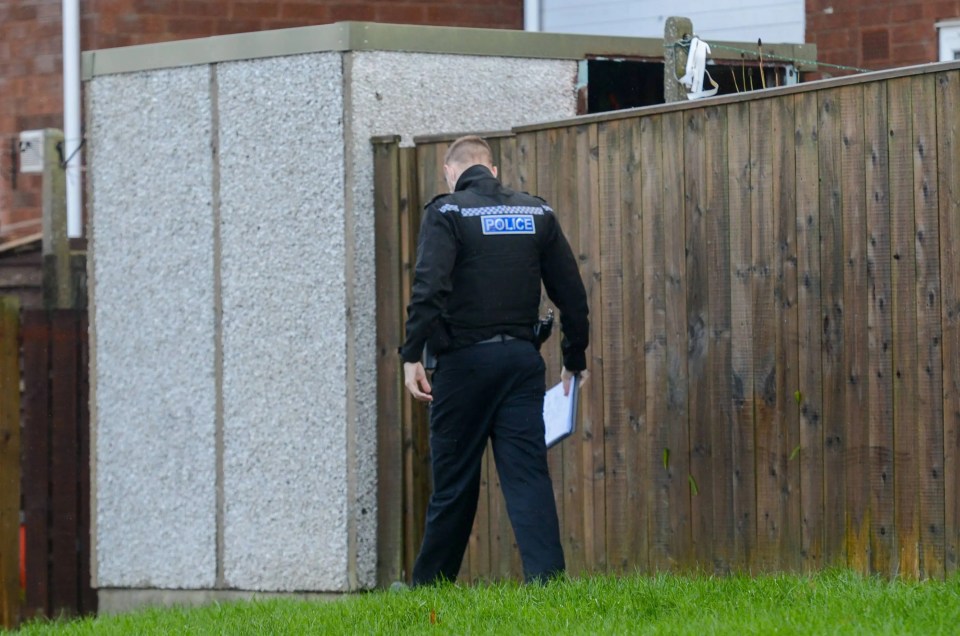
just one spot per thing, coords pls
(482, 253)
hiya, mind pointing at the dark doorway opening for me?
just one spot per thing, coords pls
(620, 84)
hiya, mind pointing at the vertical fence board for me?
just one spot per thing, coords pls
(416, 449)
(929, 349)
(741, 377)
(509, 163)
(857, 322)
(530, 148)
(701, 410)
(808, 307)
(616, 436)
(655, 341)
(719, 486)
(429, 172)
(677, 421)
(87, 599)
(905, 535)
(674, 439)
(557, 159)
(36, 454)
(787, 336)
(525, 153)
(948, 156)
(637, 461)
(832, 321)
(881, 342)
(9, 462)
(386, 156)
(594, 470)
(64, 500)
(764, 328)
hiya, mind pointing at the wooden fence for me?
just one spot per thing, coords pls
(9, 462)
(774, 285)
(48, 356)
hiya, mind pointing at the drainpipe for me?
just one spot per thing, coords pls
(532, 15)
(71, 116)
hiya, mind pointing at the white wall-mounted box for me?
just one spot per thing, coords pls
(31, 151)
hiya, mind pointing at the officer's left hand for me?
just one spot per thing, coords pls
(415, 379)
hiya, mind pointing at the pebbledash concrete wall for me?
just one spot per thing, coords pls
(233, 379)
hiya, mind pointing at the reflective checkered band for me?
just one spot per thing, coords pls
(502, 209)
(449, 207)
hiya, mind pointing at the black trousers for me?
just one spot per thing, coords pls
(489, 391)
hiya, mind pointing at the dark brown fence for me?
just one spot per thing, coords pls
(56, 463)
(9, 462)
(775, 298)
(53, 467)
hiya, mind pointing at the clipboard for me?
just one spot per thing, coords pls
(560, 412)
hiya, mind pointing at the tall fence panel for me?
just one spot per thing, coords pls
(947, 92)
(774, 287)
(9, 462)
(56, 460)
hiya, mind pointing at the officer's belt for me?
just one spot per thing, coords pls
(501, 337)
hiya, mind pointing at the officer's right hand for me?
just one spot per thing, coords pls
(415, 379)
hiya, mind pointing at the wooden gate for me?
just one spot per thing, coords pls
(50, 467)
(774, 287)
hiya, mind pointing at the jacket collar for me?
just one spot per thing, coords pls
(474, 176)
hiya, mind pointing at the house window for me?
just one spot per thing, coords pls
(949, 40)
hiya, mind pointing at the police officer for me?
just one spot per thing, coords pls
(483, 251)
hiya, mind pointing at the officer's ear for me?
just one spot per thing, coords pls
(493, 169)
(450, 175)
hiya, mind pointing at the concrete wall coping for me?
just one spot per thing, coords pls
(113, 601)
(371, 36)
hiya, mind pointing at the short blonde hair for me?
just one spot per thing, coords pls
(469, 150)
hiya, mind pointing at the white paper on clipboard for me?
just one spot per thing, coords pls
(560, 412)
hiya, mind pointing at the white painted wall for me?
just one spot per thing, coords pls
(738, 20)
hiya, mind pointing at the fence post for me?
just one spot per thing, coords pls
(674, 57)
(57, 279)
(389, 388)
(9, 463)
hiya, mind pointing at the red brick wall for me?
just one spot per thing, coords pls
(30, 97)
(31, 93)
(877, 34)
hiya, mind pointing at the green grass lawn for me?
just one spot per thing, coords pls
(830, 603)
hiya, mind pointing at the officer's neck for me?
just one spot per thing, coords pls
(474, 173)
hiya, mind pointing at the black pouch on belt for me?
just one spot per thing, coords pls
(543, 329)
(438, 342)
